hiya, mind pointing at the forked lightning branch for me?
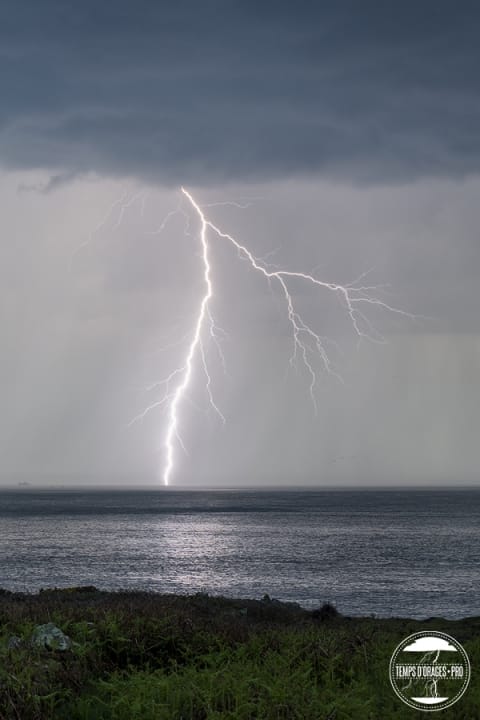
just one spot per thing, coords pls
(307, 345)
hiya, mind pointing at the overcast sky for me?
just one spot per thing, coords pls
(348, 134)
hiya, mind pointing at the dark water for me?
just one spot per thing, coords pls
(410, 553)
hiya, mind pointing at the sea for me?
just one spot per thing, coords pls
(404, 553)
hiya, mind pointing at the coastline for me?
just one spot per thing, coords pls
(199, 657)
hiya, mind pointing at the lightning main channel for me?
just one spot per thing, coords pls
(196, 343)
(352, 297)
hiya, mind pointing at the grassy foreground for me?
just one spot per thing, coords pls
(163, 657)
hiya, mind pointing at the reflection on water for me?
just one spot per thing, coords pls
(409, 553)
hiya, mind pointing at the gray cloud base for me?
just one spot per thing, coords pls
(212, 91)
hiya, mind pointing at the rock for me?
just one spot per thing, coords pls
(14, 643)
(51, 637)
(326, 612)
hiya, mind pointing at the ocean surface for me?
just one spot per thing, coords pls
(410, 553)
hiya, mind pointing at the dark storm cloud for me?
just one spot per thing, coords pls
(202, 91)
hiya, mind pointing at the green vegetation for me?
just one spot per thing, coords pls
(159, 657)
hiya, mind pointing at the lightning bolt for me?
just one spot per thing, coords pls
(430, 686)
(196, 343)
(119, 206)
(306, 342)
